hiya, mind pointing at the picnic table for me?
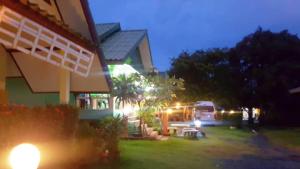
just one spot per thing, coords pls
(190, 132)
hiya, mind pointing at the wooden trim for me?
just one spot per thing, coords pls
(59, 12)
(96, 39)
(48, 2)
(35, 16)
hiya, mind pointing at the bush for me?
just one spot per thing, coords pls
(58, 133)
(110, 129)
(22, 124)
(51, 128)
(147, 115)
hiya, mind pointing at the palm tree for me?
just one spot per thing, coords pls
(126, 89)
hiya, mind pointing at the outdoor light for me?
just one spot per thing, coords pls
(256, 111)
(197, 123)
(223, 111)
(178, 105)
(169, 111)
(231, 112)
(24, 156)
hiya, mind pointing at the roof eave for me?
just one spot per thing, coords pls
(91, 25)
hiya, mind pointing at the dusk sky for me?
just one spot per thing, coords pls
(187, 25)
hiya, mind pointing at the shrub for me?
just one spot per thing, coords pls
(147, 115)
(52, 128)
(59, 134)
(23, 124)
(110, 129)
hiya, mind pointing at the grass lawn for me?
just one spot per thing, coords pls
(289, 138)
(178, 153)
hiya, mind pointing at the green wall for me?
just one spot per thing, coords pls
(20, 93)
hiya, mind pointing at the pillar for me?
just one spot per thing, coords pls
(165, 123)
(64, 86)
(111, 103)
(94, 103)
(3, 72)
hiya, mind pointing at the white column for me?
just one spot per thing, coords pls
(111, 103)
(94, 104)
(64, 86)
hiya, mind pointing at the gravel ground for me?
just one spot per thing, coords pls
(269, 157)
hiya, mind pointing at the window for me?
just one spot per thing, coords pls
(205, 108)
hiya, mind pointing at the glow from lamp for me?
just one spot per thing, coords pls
(25, 156)
(178, 105)
(197, 123)
(169, 111)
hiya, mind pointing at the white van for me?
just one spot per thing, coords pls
(204, 110)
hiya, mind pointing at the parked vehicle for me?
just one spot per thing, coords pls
(204, 111)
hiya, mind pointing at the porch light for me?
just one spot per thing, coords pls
(24, 156)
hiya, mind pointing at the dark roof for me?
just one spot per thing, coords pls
(106, 29)
(117, 46)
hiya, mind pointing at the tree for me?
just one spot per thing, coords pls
(257, 72)
(126, 88)
(207, 76)
(266, 66)
(163, 91)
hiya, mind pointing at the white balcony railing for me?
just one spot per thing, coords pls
(20, 33)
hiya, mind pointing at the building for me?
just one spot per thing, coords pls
(49, 52)
(125, 52)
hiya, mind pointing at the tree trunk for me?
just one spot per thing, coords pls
(125, 133)
(165, 124)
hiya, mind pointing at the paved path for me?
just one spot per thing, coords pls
(269, 157)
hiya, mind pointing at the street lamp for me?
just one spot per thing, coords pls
(25, 156)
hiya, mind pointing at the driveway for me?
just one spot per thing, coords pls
(268, 157)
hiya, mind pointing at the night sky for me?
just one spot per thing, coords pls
(187, 25)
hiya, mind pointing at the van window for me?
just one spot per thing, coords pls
(205, 108)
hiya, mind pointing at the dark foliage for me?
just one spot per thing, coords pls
(258, 72)
(22, 124)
